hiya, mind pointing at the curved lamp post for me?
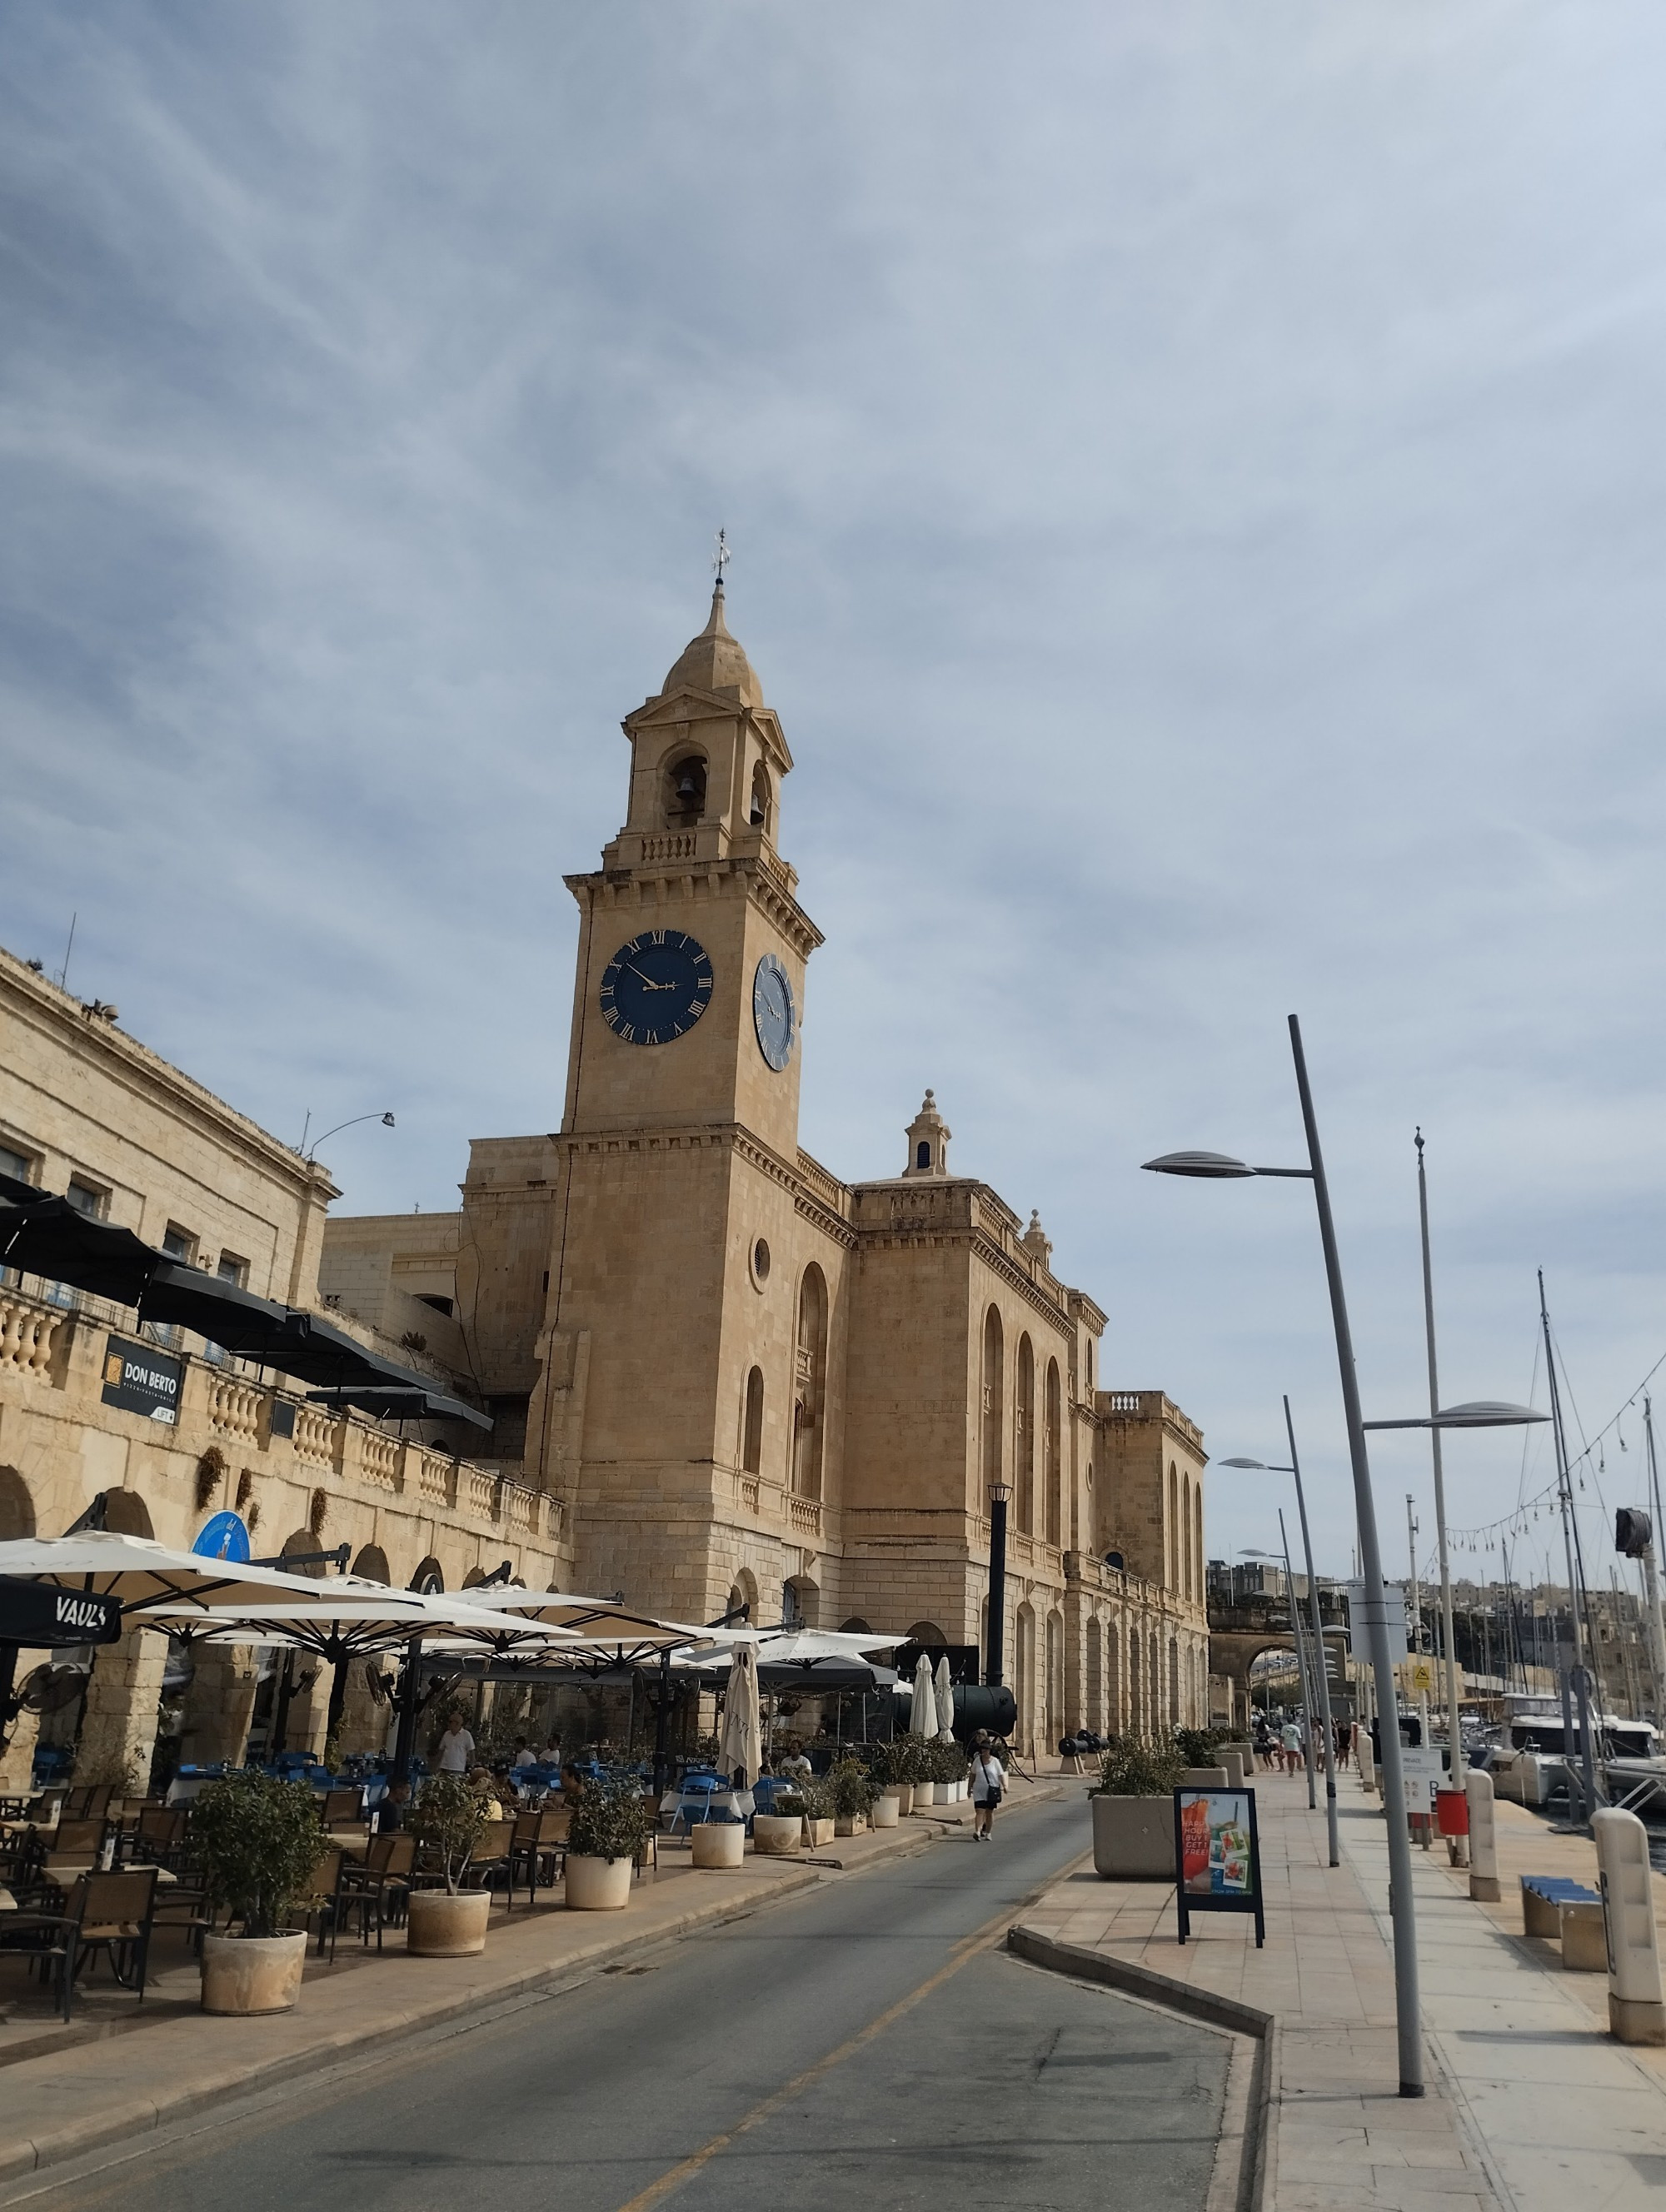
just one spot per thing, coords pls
(1317, 1630)
(309, 1150)
(1221, 1167)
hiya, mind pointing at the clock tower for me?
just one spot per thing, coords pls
(692, 944)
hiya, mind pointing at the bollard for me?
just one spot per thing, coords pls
(1483, 1840)
(1367, 1764)
(1636, 2012)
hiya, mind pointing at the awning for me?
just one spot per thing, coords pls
(46, 1236)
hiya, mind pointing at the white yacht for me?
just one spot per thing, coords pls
(1530, 1761)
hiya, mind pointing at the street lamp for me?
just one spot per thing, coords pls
(995, 1656)
(1295, 1468)
(1304, 1665)
(308, 1152)
(1220, 1166)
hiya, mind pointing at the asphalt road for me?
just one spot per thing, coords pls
(863, 2045)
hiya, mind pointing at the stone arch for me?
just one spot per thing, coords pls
(1023, 1434)
(1154, 1686)
(301, 1540)
(1096, 1676)
(801, 1598)
(126, 1513)
(1023, 1670)
(1136, 1713)
(685, 790)
(1186, 1537)
(810, 1397)
(372, 1566)
(1197, 1550)
(1054, 1455)
(1113, 1720)
(925, 1631)
(1174, 1682)
(1171, 1532)
(762, 814)
(16, 1506)
(992, 1395)
(430, 1576)
(742, 1591)
(751, 1423)
(855, 1626)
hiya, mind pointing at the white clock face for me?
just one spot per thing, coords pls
(774, 1015)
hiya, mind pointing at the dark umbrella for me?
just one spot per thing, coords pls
(48, 1236)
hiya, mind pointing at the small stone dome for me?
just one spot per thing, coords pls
(715, 661)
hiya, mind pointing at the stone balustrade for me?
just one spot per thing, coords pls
(805, 1514)
(317, 1436)
(235, 1407)
(433, 1471)
(379, 1459)
(28, 1332)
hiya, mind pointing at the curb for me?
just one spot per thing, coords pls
(1258, 2165)
(116, 2124)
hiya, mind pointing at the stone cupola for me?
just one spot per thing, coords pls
(1036, 1241)
(928, 1141)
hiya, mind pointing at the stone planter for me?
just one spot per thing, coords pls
(887, 1808)
(444, 1927)
(1206, 1777)
(816, 1833)
(248, 1975)
(718, 1844)
(598, 1885)
(925, 1794)
(775, 1835)
(1133, 1838)
(849, 1824)
(904, 1793)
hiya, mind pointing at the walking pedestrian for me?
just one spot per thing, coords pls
(987, 1777)
(1292, 1742)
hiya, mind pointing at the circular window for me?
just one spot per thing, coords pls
(760, 1263)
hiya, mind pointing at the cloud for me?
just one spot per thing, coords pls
(1196, 486)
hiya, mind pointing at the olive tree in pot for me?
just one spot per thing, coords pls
(1132, 1811)
(260, 1841)
(888, 1764)
(448, 1820)
(610, 1826)
(853, 1792)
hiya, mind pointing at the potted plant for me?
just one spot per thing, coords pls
(920, 1765)
(780, 1831)
(1132, 1811)
(818, 1800)
(851, 1790)
(448, 1820)
(949, 1771)
(259, 1840)
(610, 1824)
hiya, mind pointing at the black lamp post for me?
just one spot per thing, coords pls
(994, 1658)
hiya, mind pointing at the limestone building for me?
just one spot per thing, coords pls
(734, 1375)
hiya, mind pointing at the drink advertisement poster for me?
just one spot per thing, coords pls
(1217, 1855)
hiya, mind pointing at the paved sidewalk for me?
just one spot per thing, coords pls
(74, 2096)
(1530, 2104)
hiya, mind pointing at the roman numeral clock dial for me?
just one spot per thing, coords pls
(656, 988)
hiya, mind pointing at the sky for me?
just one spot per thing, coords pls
(1195, 482)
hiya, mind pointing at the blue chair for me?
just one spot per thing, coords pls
(694, 1797)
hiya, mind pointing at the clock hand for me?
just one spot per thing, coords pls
(642, 979)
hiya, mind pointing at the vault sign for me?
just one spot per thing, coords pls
(42, 1614)
(139, 1379)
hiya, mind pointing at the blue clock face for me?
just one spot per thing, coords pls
(775, 1017)
(656, 988)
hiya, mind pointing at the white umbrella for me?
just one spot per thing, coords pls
(595, 1620)
(138, 1571)
(922, 1721)
(741, 1748)
(944, 1702)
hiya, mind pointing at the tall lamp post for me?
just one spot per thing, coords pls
(1221, 1167)
(1318, 1632)
(995, 1656)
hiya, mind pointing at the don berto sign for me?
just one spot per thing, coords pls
(139, 1379)
(41, 1614)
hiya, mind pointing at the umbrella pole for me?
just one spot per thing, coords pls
(404, 1741)
(278, 1740)
(338, 1700)
(662, 1726)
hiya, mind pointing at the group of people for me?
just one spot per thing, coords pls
(1283, 1747)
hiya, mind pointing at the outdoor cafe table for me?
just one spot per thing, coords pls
(64, 1871)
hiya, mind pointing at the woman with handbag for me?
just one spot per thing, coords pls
(987, 1777)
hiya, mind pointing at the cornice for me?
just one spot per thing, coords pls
(723, 1136)
(605, 889)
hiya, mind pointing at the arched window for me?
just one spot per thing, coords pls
(1174, 1683)
(1024, 1472)
(1113, 1723)
(1136, 1722)
(1090, 1364)
(743, 1592)
(751, 1433)
(685, 792)
(1054, 1455)
(922, 1156)
(1053, 1650)
(1096, 1677)
(1171, 1532)
(927, 1631)
(371, 1565)
(427, 1578)
(763, 813)
(992, 1413)
(810, 1400)
(16, 1506)
(1197, 1553)
(1186, 1536)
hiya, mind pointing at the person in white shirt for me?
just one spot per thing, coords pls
(1291, 1740)
(456, 1747)
(988, 1778)
(525, 1755)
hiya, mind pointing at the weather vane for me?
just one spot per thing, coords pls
(722, 557)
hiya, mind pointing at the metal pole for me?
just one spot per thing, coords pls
(994, 1658)
(1407, 2012)
(1319, 1647)
(1454, 1737)
(410, 1689)
(1657, 1627)
(1564, 1488)
(1304, 1670)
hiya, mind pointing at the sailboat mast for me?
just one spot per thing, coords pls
(1564, 1494)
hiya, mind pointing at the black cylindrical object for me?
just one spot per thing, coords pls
(995, 1655)
(985, 1705)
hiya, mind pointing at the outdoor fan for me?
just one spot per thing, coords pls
(380, 1686)
(46, 1690)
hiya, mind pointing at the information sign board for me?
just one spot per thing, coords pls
(1217, 1856)
(139, 1379)
(222, 1536)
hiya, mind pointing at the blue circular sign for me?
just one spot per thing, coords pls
(222, 1536)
